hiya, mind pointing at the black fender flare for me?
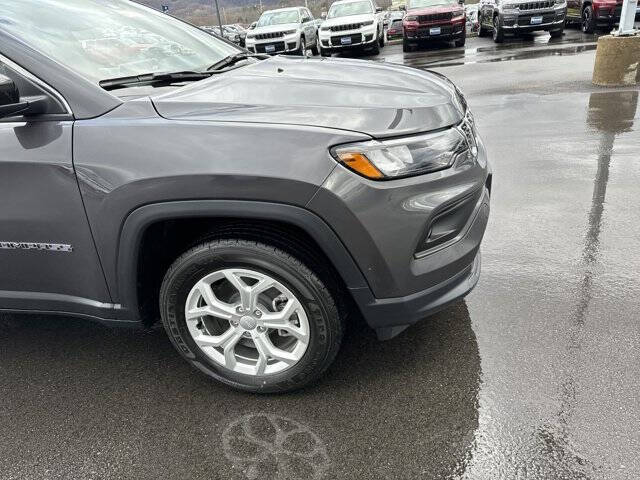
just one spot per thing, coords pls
(141, 218)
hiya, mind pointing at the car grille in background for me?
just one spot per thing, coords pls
(535, 5)
(525, 20)
(355, 38)
(435, 16)
(266, 36)
(347, 26)
(261, 48)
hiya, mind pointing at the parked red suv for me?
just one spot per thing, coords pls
(428, 20)
(593, 14)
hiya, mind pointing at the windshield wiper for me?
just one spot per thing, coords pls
(235, 58)
(153, 79)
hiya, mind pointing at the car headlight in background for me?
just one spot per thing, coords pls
(561, 3)
(401, 157)
(289, 32)
(411, 18)
(510, 6)
(368, 22)
(250, 36)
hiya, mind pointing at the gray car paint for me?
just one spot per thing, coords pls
(256, 134)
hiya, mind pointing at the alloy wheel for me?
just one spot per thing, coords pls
(247, 321)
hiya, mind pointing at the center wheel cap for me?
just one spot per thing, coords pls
(248, 323)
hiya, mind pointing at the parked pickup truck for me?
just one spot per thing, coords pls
(249, 202)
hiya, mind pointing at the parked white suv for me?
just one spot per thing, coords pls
(352, 24)
(285, 30)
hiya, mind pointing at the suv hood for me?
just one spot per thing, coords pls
(283, 27)
(357, 95)
(436, 9)
(365, 17)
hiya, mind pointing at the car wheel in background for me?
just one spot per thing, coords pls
(460, 42)
(406, 47)
(250, 315)
(482, 32)
(588, 20)
(381, 40)
(556, 33)
(314, 49)
(498, 34)
(303, 47)
(324, 52)
(375, 49)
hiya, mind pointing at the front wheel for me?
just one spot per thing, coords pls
(556, 33)
(381, 40)
(250, 315)
(498, 34)
(303, 47)
(314, 49)
(324, 52)
(588, 20)
(460, 42)
(406, 47)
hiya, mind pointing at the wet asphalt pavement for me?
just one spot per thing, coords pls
(536, 375)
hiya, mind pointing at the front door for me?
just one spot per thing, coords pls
(48, 259)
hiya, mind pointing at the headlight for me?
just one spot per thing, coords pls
(387, 159)
(411, 18)
(560, 3)
(289, 32)
(250, 36)
(369, 22)
(325, 29)
(510, 6)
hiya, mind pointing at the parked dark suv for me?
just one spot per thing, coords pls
(500, 17)
(245, 200)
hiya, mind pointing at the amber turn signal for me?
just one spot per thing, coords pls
(361, 164)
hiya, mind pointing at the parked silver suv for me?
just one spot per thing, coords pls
(500, 17)
(285, 30)
(250, 202)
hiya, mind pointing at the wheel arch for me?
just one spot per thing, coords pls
(139, 222)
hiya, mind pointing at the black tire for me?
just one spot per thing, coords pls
(303, 47)
(406, 47)
(557, 33)
(588, 21)
(460, 42)
(325, 321)
(381, 40)
(324, 52)
(498, 33)
(375, 50)
(482, 32)
(314, 49)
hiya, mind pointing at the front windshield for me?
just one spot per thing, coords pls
(103, 39)
(278, 18)
(351, 8)
(429, 3)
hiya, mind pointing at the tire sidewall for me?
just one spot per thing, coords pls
(183, 277)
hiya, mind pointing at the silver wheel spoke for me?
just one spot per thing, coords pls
(229, 337)
(267, 348)
(248, 293)
(213, 307)
(230, 349)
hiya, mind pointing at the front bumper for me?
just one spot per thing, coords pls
(387, 227)
(280, 45)
(448, 31)
(359, 39)
(551, 20)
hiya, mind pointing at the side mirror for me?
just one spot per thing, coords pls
(11, 104)
(306, 19)
(403, 8)
(378, 9)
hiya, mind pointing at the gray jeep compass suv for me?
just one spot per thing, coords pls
(150, 170)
